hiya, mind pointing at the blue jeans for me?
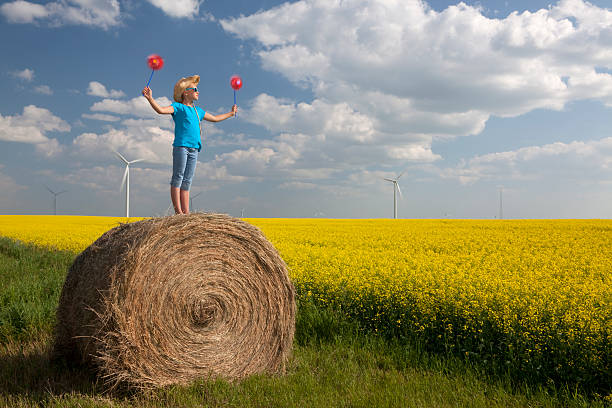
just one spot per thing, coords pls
(184, 160)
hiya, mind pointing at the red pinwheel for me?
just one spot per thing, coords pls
(236, 84)
(155, 62)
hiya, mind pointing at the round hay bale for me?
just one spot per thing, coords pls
(169, 300)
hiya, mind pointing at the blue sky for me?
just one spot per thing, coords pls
(465, 99)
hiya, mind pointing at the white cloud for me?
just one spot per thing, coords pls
(178, 8)
(589, 161)
(26, 74)
(137, 106)
(252, 161)
(49, 148)
(32, 127)
(414, 153)
(320, 118)
(213, 170)
(97, 89)
(323, 134)
(23, 11)
(43, 89)
(101, 116)
(107, 179)
(390, 76)
(152, 144)
(98, 13)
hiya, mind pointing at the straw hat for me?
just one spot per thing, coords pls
(183, 84)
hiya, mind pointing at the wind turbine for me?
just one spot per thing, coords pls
(395, 187)
(126, 182)
(55, 198)
(191, 201)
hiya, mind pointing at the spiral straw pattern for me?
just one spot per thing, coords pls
(170, 300)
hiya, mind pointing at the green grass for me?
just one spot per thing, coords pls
(334, 363)
(30, 284)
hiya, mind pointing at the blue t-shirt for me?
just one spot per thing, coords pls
(186, 125)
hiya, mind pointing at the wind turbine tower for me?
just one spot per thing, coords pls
(126, 181)
(55, 199)
(395, 187)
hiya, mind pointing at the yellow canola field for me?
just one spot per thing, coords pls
(530, 297)
(64, 232)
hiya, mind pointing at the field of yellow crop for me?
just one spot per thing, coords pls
(72, 233)
(531, 298)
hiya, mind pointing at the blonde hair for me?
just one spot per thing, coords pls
(183, 84)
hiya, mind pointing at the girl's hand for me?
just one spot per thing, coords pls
(147, 93)
(234, 110)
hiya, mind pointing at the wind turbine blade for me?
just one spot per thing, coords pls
(62, 192)
(398, 189)
(390, 180)
(136, 161)
(51, 191)
(125, 173)
(121, 157)
(398, 177)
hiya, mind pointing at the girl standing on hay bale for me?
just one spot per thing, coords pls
(187, 136)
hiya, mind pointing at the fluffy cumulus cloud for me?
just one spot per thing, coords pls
(152, 144)
(23, 11)
(454, 61)
(178, 8)
(32, 127)
(326, 135)
(573, 162)
(388, 77)
(97, 89)
(98, 13)
(137, 106)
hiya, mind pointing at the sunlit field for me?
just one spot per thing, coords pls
(532, 299)
(72, 233)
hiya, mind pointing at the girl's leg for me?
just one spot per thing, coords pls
(176, 200)
(185, 201)
(179, 161)
(192, 160)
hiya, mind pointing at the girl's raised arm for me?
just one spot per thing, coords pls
(147, 93)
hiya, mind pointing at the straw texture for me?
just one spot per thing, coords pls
(169, 300)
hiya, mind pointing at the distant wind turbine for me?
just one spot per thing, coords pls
(126, 182)
(191, 200)
(395, 187)
(55, 198)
